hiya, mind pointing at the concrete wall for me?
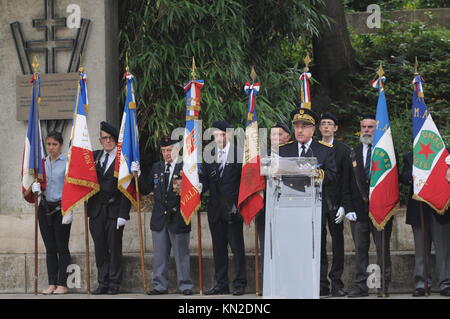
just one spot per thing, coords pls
(430, 17)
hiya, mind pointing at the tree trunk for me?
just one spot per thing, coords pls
(334, 58)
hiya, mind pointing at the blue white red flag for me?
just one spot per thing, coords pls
(33, 168)
(128, 145)
(251, 191)
(190, 193)
(80, 182)
(384, 193)
(429, 153)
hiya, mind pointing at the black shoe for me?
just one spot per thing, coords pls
(187, 292)
(100, 291)
(445, 292)
(324, 292)
(357, 294)
(113, 291)
(338, 292)
(217, 291)
(380, 293)
(238, 291)
(418, 292)
(156, 292)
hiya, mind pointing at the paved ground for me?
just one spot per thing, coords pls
(195, 296)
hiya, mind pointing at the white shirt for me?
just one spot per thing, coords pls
(223, 159)
(171, 169)
(111, 158)
(365, 148)
(308, 144)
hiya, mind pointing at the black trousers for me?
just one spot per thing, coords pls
(261, 224)
(337, 264)
(108, 249)
(56, 240)
(223, 234)
(361, 236)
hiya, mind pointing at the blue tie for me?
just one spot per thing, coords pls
(368, 159)
(105, 162)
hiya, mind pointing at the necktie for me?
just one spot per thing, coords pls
(368, 159)
(303, 154)
(105, 162)
(221, 161)
(166, 177)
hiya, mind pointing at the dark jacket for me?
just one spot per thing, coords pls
(342, 196)
(326, 159)
(166, 206)
(109, 197)
(413, 206)
(224, 191)
(359, 186)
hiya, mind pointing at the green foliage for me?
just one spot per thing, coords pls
(227, 38)
(361, 5)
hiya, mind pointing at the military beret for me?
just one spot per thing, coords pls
(221, 125)
(167, 141)
(330, 116)
(304, 115)
(368, 117)
(108, 128)
(282, 126)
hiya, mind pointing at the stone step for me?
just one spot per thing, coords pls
(17, 272)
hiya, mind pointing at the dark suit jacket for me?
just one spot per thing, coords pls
(413, 206)
(326, 158)
(358, 194)
(166, 206)
(342, 196)
(224, 191)
(109, 197)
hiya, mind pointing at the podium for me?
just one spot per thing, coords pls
(293, 228)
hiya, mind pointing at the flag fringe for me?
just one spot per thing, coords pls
(386, 219)
(196, 209)
(125, 192)
(439, 211)
(78, 202)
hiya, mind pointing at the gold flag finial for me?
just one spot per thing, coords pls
(416, 67)
(380, 71)
(307, 61)
(193, 74)
(253, 74)
(35, 64)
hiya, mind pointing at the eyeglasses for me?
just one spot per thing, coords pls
(327, 124)
(105, 138)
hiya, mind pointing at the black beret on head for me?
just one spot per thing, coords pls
(108, 128)
(221, 125)
(368, 117)
(330, 116)
(167, 141)
(282, 126)
(304, 115)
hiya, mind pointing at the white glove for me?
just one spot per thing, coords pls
(199, 187)
(447, 160)
(121, 222)
(135, 167)
(67, 218)
(340, 215)
(351, 216)
(36, 188)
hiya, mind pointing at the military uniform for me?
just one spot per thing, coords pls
(169, 231)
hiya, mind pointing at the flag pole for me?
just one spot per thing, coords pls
(141, 240)
(256, 258)
(35, 65)
(423, 225)
(86, 239)
(199, 219)
(383, 261)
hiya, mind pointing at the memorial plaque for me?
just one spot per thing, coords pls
(57, 96)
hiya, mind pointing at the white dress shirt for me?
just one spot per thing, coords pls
(111, 158)
(365, 148)
(308, 144)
